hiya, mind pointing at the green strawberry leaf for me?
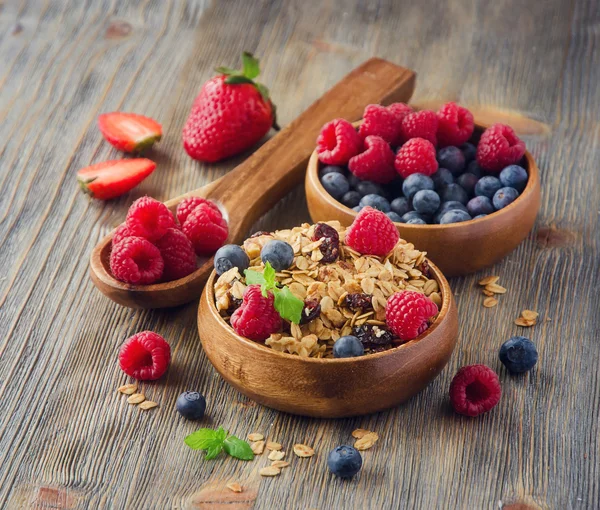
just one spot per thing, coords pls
(254, 277)
(236, 79)
(250, 63)
(201, 439)
(289, 306)
(226, 70)
(264, 91)
(238, 448)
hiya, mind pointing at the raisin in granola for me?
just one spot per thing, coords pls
(371, 335)
(330, 246)
(359, 301)
(312, 309)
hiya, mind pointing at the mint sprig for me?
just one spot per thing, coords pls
(287, 305)
(213, 442)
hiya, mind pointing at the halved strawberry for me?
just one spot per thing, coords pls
(129, 132)
(110, 179)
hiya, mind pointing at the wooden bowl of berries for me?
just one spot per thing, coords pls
(467, 203)
(327, 321)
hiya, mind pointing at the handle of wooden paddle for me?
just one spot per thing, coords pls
(256, 185)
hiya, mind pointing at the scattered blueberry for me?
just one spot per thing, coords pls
(348, 347)
(191, 405)
(335, 184)
(469, 150)
(504, 197)
(278, 253)
(468, 182)
(228, 256)
(426, 201)
(376, 202)
(454, 192)
(411, 215)
(394, 216)
(442, 178)
(330, 169)
(416, 221)
(475, 169)
(487, 186)
(518, 354)
(514, 176)
(480, 205)
(368, 188)
(451, 158)
(454, 216)
(351, 199)
(400, 205)
(414, 183)
(344, 461)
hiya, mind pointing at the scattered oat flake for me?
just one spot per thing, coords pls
(280, 463)
(128, 389)
(269, 471)
(301, 450)
(255, 436)
(257, 447)
(495, 288)
(358, 433)
(235, 487)
(276, 455)
(366, 442)
(524, 322)
(490, 302)
(273, 446)
(147, 404)
(136, 398)
(488, 279)
(530, 315)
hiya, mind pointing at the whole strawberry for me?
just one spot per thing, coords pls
(231, 113)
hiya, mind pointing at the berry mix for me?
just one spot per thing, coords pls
(421, 167)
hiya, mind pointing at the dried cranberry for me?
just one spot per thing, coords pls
(370, 334)
(260, 233)
(359, 301)
(380, 348)
(424, 268)
(330, 247)
(234, 304)
(311, 310)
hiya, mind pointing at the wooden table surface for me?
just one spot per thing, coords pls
(68, 440)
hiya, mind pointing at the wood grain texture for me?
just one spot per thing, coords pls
(68, 440)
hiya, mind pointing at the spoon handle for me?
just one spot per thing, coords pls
(257, 184)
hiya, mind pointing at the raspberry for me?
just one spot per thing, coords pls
(499, 147)
(338, 142)
(187, 205)
(421, 124)
(177, 253)
(256, 318)
(474, 390)
(417, 156)
(145, 356)
(120, 233)
(380, 121)
(376, 163)
(455, 125)
(136, 260)
(400, 110)
(206, 229)
(372, 233)
(408, 313)
(149, 218)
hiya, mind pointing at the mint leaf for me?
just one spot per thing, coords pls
(269, 274)
(201, 439)
(254, 277)
(221, 434)
(289, 306)
(250, 65)
(214, 450)
(238, 448)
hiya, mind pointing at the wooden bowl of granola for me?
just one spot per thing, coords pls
(309, 383)
(457, 248)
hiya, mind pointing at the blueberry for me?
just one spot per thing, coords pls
(353, 180)
(411, 215)
(454, 193)
(468, 182)
(228, 256)
(426, 201)
(394, 216)
(442, 178)
(358, 208)
(351, 199)
(414, 183)
(400, 205)
(278, 253)
(480, 205)
(480, 216)
(344, 461)
(454, 216)
(451, 158)
(368, 188)
(518, 354)
(469, 150)
(416, 221)
(448, 206)
(514, 176)
(191, 405)
(348, 347)
(335, 184)
(504, 197)
(330, 169)
(487, 186)
(475, 169)
(376, 202)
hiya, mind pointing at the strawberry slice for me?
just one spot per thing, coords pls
(111, 179)
(129, 132)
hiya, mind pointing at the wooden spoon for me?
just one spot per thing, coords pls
(256, 185)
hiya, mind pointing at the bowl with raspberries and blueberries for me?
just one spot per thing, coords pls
(465, 193)
(326, 320)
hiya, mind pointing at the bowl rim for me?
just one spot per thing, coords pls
(447, 299)
(532, 183)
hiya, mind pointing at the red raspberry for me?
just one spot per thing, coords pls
(499, 147)
(372, 233)
(187, 205)
(178, 255)
(121, 232)
(455, 125)
(338, 142)
(417, 156)
(376, 163)
(400, 110)
(145, 356)
(421, 124)
(380, 121)
(256, 318)
(408, 313)
(149, 218)
(136, 260)
(474, 390)
(206, 229)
